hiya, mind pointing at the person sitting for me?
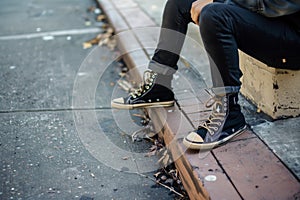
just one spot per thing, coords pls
(266, 30)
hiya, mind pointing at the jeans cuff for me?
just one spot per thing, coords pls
(160, 68)
(226, 90)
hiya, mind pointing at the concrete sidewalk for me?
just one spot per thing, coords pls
(136, 23)
(43, 131)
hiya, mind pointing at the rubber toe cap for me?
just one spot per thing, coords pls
(194, 137)
(118, 100)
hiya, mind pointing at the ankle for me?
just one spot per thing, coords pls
(164, 80)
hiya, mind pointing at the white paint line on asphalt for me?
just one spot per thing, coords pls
(51, 33)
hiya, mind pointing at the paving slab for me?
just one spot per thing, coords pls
(282, 136)
(136, 18)
(255, 171)
(116, 18)
(212, 175)
(152, 8)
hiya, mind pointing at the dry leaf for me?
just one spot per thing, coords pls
(150, 154)
(110, 30)
(165, 159)
(94, 41)
(101, 17)
(86, 45)
(122, 74)
(153, 147)
(156, 174)
(103, 39)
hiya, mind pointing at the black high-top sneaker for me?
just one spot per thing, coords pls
(155, 91)
(225, 122)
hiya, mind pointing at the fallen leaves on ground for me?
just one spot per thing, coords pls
(168, 176)
(103, 39)
(101, 17)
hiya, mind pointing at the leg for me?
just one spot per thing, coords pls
(225, 28)
(176, 18)
(156, 89)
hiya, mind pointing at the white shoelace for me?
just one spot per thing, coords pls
(148, 79)
(214, 122)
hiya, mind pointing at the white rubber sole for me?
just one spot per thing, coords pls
(209, 146)
(142, 105)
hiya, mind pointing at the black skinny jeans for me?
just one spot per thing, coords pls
(224, 29)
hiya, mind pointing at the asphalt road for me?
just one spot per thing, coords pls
(59, 139)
